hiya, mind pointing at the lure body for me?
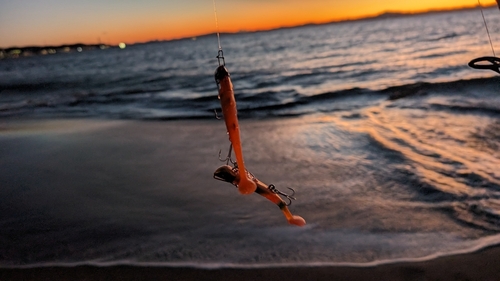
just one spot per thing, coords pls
(231, 175)
(226, 95)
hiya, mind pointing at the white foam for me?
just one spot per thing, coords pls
(481, 244)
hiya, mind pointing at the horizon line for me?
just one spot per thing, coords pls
(388, 13)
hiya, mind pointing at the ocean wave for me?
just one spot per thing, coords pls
(443, 37)
(482, 214)
(474, 247)
(271, 103)
(445, 132)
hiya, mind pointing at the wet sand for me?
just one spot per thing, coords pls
(481, 265)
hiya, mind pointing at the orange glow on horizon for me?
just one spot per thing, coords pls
(265, 17)
(300, 13)
(153, 20)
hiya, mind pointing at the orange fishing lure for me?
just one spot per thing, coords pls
(239, 175)
(228, 103)
(233, 175)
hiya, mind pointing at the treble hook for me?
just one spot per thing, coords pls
(273, 189)
(228, 157)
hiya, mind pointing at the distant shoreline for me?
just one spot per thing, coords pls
(388, 15)
(15, 52)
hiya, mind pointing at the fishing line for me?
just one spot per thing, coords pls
(485, 25)
(220, 54)
(217, 26)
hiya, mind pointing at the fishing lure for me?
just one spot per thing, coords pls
(228, 103)
(232, 175)
(239, 175)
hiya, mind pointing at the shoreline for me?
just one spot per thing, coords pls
(479, 265)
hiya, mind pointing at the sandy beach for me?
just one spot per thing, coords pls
(187, 149)
(482, 265)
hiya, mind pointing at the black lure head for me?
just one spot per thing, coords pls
(225, 173)
(220, 73)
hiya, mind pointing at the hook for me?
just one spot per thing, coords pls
(228, 157)
(291, 197)
(216, 116)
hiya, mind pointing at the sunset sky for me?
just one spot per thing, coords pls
(56, 22)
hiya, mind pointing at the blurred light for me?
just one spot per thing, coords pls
(122, 45)
(79, 49)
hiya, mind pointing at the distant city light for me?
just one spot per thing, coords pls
(79, 49)
(122, 45)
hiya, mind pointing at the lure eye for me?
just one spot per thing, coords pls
(220, 73)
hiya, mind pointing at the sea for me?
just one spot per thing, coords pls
(398, 161)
